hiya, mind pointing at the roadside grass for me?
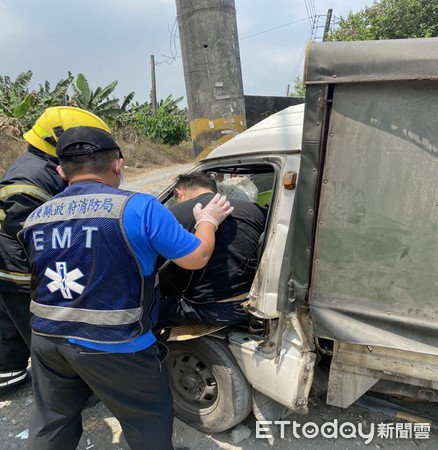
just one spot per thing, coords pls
(138, 154)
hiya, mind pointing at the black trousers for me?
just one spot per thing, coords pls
(15, 332)
(134, 387)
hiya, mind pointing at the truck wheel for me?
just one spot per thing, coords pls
(210, 392)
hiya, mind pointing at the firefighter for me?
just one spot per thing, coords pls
(28, 182)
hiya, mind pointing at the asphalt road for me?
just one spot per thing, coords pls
(357, 428)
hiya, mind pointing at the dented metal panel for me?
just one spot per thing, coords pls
(280, 366)
(375, 266)
(368, 61)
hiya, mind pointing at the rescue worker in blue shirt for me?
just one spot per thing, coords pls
(93, 253)
(28, 182)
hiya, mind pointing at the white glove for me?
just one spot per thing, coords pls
(215, 211)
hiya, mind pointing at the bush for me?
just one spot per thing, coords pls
(165, 127)
(168, 126)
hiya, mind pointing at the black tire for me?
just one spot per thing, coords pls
(210, 392)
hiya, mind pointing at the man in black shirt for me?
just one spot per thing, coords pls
(212, 295)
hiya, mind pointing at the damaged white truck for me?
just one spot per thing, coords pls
(347, 280)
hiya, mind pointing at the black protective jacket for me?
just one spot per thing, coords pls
(27, 183)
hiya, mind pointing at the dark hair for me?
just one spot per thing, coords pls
(98, 162)
(195, 180)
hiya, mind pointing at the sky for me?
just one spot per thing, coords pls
(108, 40)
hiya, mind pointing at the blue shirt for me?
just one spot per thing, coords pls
(151, 231)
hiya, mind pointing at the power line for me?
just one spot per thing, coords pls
(313, 7)
(173, 48)
(319, 23)
(272, 29)
(311, 11)
(300, 60)
(312, 17)
(315, 26)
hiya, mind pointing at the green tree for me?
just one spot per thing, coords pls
(57, 97)
(389, 19)
(15, 99)
(298, 88)
(168, 126)
(44, 98)
(98, 101)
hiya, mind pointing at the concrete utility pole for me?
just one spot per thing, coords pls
(153, 87)
(212, 72)
(327, 23)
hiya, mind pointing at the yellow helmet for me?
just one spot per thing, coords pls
(54, 121)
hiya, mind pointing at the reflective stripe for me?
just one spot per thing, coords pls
(40, 131)
(14, 378)
(91, 316)
(13, 381)
(77, 207)
(15, 276)
(25, 189)
(12, 374)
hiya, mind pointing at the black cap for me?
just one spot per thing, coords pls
(85, 141)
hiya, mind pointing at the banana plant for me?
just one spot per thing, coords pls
(57, 97)
(15, 99)
(98, 101)
(45, 98)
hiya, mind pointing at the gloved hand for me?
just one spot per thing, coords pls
(215, 211)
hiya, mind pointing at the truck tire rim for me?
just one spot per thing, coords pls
(192, 382)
